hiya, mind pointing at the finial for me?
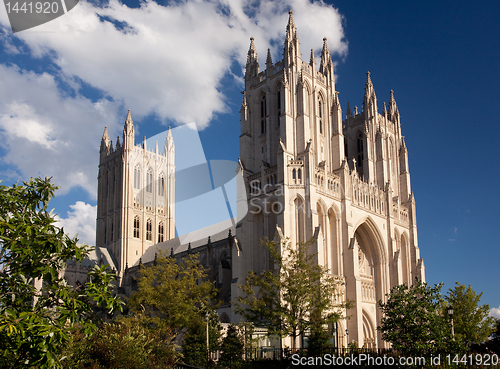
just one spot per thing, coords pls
(189, 248)
(368, 79)
(355, 110)
(384, 110)
(171, 252)
(348, 113)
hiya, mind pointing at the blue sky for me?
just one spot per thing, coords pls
(175, 63)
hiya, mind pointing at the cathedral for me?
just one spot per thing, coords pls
(307, 173)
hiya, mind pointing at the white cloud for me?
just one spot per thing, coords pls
(167, 61)
(495, 312)
(48, 134)
(80, 220)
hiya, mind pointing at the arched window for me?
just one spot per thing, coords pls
(161, 185)
(299, 175)
(149, 230)
(137, 177)
(160, 232)
(360, 147)
(136, 227)
(263, 114)
(149, 181)
(279, 105)
(293, 174)
(320, 114)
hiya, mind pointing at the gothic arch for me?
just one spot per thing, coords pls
(224, 318)
(334, 243)
(405, 259)
(368, 331)
(370, 231)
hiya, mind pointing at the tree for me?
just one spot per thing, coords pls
(494, 342)
(123, 344)
(194, 344)
(173, 295)
(470, 320)
(232, 348)
(37, 307)
(285, 299)
(413, 321)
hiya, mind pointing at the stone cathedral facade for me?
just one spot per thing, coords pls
(309, 173)
(136, 197)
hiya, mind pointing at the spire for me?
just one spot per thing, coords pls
(369, 90)
(105, 136)
(326, 59)
(291, 49)
(393, 108)
(128, 133)
(348, 113)
(169, 142)
(128, 122)
(117, 142)
(384, 111)
(106, 144)
(312, 61)
(252, 67)
(269, 59)
(291, 30)
(369, 100)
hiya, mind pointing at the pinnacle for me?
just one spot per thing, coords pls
(269, 59)
(129, 121)
(105, 135)
(312, 60)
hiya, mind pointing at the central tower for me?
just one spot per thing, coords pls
(308, 174)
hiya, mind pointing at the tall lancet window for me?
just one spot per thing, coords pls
(136, 227)
(137, 177)
(161, 185)
(149, 230)
(263, 113)
(161, 230)
(149, 181)
(320, 114)
(360, 146)
(279, 105)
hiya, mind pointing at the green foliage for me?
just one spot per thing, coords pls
(170, 294)
(471, 321)
(194, 344)
(232, 348)
(494, 343)
(294, 296)
(319, 341)
(37, 307)
(414, 322)
(125, 344)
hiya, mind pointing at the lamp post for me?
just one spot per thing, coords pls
(206, 317)
(450, 313)
(346, 337)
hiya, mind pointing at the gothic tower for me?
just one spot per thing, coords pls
(309, 174)
(136, 196)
